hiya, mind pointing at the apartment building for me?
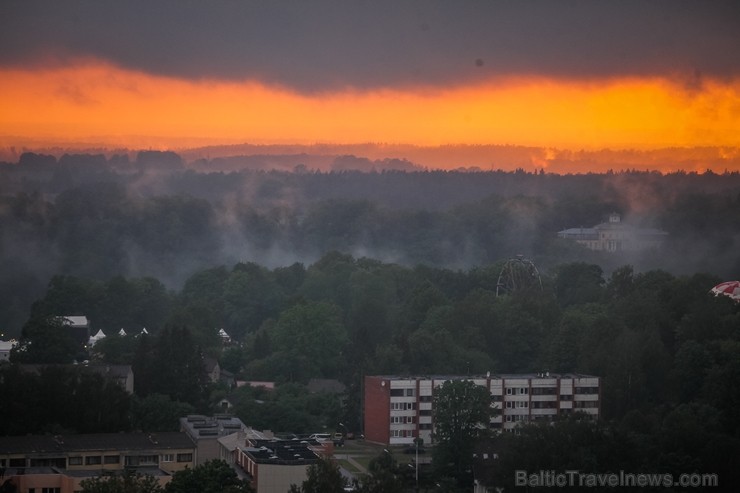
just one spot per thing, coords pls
(399, 409)
(59, 463)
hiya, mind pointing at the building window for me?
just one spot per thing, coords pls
(425, 426)
(168, 457)
(425, 398)
(51, 490)
(184, 457)
(566, 397)
(523, 390)
(509, 391)
(410, 392)
(396, 392)
(17, 462)
(148, 459)
(112, 459)
(586, 390)
(75, 461)
(93, 460)
(425, 412)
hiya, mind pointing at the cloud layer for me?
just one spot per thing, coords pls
(328, 45)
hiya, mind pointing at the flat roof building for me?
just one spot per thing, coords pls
(398, 409)
(60, 462)
(205, 432)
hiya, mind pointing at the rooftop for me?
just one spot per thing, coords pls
(211, 427)
(485, 376)
(286, 452)
(42, 444)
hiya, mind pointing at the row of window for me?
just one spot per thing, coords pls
(94, 460)
(403, 406)
(544, 405)
(517, 391)
(402, 419)
(517, 405)
(45, 490)
(563, 397)
(586, 404)
(511, 418)
(402, 433)
(403, 392)
(587, 390)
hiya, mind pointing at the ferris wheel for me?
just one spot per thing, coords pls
(518, 274)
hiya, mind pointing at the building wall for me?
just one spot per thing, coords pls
(377, 407)
(275, 478)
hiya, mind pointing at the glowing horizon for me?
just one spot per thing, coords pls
(97, 99)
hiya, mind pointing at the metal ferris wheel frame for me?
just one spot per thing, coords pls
(518, 274)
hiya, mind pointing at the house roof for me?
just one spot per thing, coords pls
(44, 444)
(76, 320)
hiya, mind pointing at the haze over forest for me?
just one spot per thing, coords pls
(154, 214)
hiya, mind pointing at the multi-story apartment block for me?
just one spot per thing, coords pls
(399, 409)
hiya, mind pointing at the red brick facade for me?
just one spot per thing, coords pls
(377, 403)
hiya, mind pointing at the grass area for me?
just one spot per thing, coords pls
(347, 465)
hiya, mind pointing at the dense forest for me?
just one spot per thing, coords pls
(345, 274)
(155, 215)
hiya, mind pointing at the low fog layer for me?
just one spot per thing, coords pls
(158, 215)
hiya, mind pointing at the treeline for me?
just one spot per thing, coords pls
(97, 217)
(657, 340)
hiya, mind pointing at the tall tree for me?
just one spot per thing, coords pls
(215, 476)
(126, 483)
(46, 340)
(323, 477)
(384, 475)
(462, 411)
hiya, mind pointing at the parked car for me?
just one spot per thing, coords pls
(320, 437)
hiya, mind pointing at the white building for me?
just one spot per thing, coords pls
(399, 409)
(5, 348)
(615, 236)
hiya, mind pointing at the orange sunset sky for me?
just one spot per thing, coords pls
(567, 75)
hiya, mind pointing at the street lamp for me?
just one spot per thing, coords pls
(416, 440)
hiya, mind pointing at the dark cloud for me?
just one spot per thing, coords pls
(316, 45)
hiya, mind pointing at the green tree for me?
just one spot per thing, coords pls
(126, 483)
(384, 475)
(157, 412)
(311, 333)
(579, 282)
(215, 476)
(462, 411)
(46, 340)
(323, 477)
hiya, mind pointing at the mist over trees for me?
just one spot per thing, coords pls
(337, 275)
(154, 215)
